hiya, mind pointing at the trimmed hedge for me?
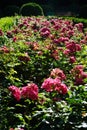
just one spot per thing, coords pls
(31, 9)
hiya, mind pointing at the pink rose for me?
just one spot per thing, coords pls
(58, 73)
(15, 92)
(48, 84)
(30, 91)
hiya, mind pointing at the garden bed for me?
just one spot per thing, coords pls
(43, 74)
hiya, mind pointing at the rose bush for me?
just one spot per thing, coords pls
(43, 75)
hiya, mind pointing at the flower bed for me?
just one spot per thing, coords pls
(43, 75)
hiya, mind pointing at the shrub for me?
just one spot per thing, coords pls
(6, 23)
(30, 9)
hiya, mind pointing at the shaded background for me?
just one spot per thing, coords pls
(76, 8)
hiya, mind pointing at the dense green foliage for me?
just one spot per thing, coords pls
(6, 23)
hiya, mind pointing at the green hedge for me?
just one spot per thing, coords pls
(31, 9)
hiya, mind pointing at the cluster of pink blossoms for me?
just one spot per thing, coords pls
(30, 91)
(79, 74)
(51, 84)
(55, 83)
(44, 32)
(58, 73)
(71, 48)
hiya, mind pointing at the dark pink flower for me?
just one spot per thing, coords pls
(73, 47)
(66, 52)
(58, 73)
(64, 88)
(15, 92)
(79, 26)
(48, 84)
(70, 33)
(72, 59)
(64, 29)
(30, 91)
(45, 32)
(61, 88)
(83, 75)
(54, 85)
(61, 39)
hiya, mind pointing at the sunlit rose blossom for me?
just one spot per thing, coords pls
(62, 88)
(58, 73)
(64, 29)
(48, 84)
(61, 39)
(83, 75)
(45, 32)
(46, 23)
(66, 52)
(70, 33)
(79, 26)
(57, 26)
(15, 91)
(30, 91)
(73, 47)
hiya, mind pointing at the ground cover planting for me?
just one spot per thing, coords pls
(43, 74)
